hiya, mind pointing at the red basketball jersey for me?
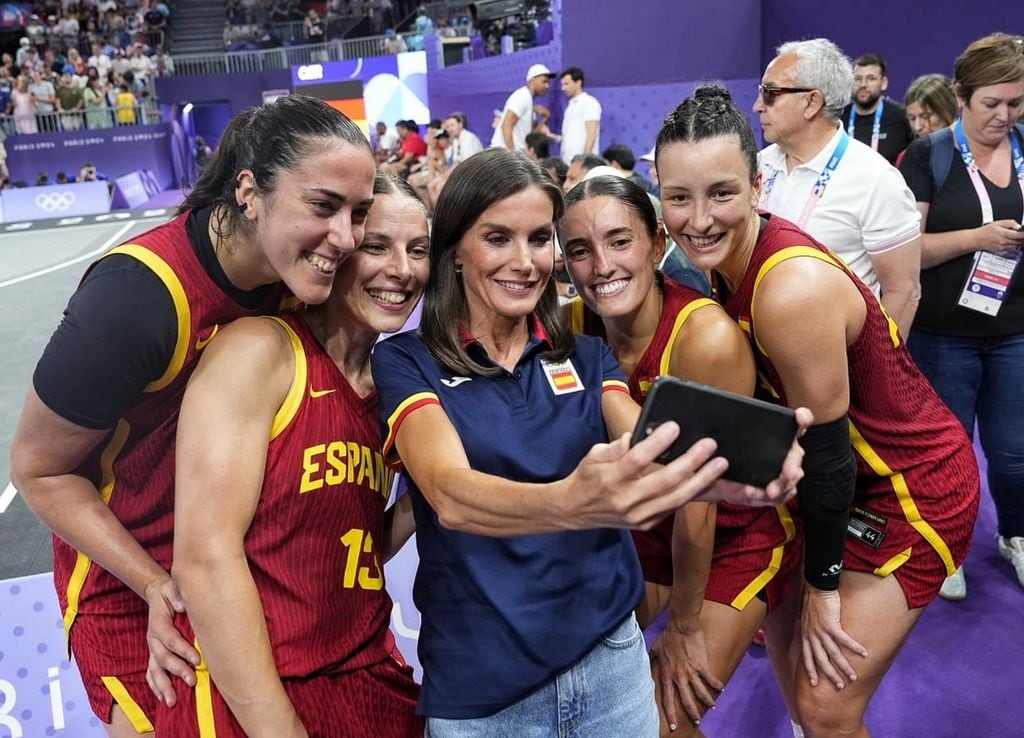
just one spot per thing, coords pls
(314, 542)
(913, 456)
(736, 526)
(133, 468)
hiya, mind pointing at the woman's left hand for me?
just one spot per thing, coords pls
(680, 666)
(823, 638)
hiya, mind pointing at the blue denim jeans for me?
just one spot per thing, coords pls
(983, 379)
(607, 694)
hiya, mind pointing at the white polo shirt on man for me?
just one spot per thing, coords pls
(519, 102)
(581, 109)
(866, 208)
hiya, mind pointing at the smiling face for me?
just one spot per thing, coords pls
(991, 112)
(311, 222)
(708, 203)
(506, 258)
(379, 285)
(611, 256)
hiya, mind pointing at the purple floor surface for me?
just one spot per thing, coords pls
(959, 676)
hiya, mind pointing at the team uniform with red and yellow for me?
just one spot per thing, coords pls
(917, 478)
(752, 545)
(313, 548)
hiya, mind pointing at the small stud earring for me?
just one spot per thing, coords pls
(458, 268)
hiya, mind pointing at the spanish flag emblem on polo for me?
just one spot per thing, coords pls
(562, 377)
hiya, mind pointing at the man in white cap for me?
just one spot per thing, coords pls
(517, 116)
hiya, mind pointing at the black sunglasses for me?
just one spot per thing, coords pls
(769, 94)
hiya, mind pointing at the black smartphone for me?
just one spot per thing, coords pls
(754, 436)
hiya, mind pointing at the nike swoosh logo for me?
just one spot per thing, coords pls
(455, 381)
(201, 342)
(320, 393)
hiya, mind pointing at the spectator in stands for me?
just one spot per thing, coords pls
(45, 96)
(313, 26)
(77, 62)
(43, 179)
(557, 169)
(278, 12)
(99, 60)
(87, 173)
(163, 64)
(120, 63)
(578, 168)
(97, 114)
(201, 154)
(385, 143)
(140, 64)
(5, 174)
(126, 104)
(36, 32)
(154, 20)
(537, 146)
(413, 147)
(70, 101)
(393, 43)
(6, 87)
(33, 62)
(620, 157)
(62, 178)
(22, 54)
(51, 64)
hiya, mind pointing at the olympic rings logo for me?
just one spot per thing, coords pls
(52, 201)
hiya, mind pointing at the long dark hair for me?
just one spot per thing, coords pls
(266, 140)
(475, 185)
(709, 113)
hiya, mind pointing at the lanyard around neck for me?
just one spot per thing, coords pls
(876, 127)
(987, 216)
(819, 186)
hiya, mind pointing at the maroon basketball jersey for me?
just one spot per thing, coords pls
(134, 467)
(761, 528)
(912, 453)
(314, 542)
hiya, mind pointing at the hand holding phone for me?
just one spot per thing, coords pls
(753, 436)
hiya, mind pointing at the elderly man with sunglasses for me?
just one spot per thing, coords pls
(837, 189)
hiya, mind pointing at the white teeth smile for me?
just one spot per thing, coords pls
(611, 288)
(703, 242)
(515, 286)
(392, 298)
(324, 266)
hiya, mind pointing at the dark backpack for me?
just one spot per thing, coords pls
(941, 156)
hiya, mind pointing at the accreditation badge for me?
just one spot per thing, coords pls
(562, 377)
(988, 284)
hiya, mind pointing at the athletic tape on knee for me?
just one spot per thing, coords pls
(825, 494)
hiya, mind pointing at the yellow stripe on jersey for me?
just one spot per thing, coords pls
(82, 562)
(290, 407)
(163, 270)
(761, 580)
(406, 406)
(136, 715)
(576, 310)
(204, 698)
(894, 563)
(773, 261)
(907, 504)
(614, 385)
(686, 312)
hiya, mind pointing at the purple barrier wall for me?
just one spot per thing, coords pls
(114, 151)
(915, 36)
(241, 90)
(54, 201)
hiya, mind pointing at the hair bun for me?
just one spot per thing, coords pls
(713, 93)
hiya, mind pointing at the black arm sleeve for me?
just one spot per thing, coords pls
(825, 495)
(117, 336)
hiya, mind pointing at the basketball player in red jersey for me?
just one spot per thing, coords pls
(891, 487)
(283, 201)
(280, 530)
(723, 571)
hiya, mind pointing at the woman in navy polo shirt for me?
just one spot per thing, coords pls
(527, 579)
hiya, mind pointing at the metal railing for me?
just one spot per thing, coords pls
(140, 114)
(239, 62)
